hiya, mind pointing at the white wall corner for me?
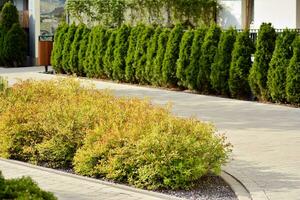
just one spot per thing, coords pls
(34, 29)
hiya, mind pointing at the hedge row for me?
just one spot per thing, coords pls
(13, 45)
(208, 60)
(62, 125)
(22, 188)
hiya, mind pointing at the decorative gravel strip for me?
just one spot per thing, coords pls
(208, 188)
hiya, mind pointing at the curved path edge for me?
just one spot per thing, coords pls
(243, 185)
(237, 186)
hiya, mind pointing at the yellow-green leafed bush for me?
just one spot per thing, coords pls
(3, 84)
(165, 153)
(45, 122)
(61, 124)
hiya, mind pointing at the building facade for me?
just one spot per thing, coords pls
(29, 13)
(251, 13)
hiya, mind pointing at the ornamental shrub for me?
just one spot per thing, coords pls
(151, 55)
(161, 152)
(120, 52)
(101, 39)
(293, 75)
(158, 61)
(9, 16)
(22, 188)
(108, 58)
(67, 48)
(45, 122)
(57, 51)
(171, 56)
(134, 35)
(278, 66)
(74, 61)
(184, 57)
(123, 139)
(240, 66)
(220, 69)
(193, 68)
(3, 84)
(15, 46)
(208, 52)
(140, 56)
(263, 55)
(82, 52)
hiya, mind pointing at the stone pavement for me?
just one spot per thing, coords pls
(266, 137)
(66, 187)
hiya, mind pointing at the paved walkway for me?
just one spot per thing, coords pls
(266, 138)
(66, 187)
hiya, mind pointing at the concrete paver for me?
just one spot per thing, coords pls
(266, 137)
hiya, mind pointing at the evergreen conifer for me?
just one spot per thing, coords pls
(264, 50)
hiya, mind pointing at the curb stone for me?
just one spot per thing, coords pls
(237, 186)
(254, 190)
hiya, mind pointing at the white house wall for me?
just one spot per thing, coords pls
(231, 13)
(298, 13)
(281, 13)
(34, 28)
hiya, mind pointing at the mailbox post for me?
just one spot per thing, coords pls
(45, 49)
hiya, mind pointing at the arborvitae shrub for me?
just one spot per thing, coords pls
(151, 54)
(220, 69)
(82, 52)
(57, 51)
(67, 48)
(240, 66)
(171, 56)
(140, 56)
(15, 46)
(130, 70)
(158, 61)
(264, 50)
(208, 52)
(2, 36)
(102, 39)
(184, 57)
(278, 66)
(73, 61)
(120, 52)
(91, 66)
(293, 75)
(9, 16)
(89, 57)
(193, 68)
(109, 53)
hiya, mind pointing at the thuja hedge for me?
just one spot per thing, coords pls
(293, 75)
(206, 59)
(220, 68)
(61, 124)
(22, 188)
(263, 55)
(278, 66)
(240, 65)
